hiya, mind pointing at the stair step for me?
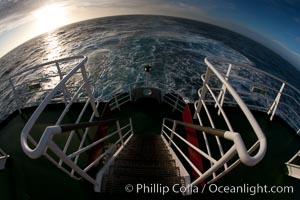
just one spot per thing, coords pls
(145, 151)
(144, 164)
(146, 140)
(154, 157)
(146, 172)
(144, 160)
(167, 180)
(147, 147)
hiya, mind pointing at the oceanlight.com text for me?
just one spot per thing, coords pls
(250, 189)
(157, 188)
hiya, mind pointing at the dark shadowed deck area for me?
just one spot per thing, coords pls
(25, 178)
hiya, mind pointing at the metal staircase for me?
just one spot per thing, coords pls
(135, 159)
(146, 160)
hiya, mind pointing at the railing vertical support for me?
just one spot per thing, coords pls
(130, 94)
(172, 133)
(117, 103)
(65, 91)
(69, 162)
(164, 92)
(120, 132)
(176, 103)
(16, 96)
(163, 126)
(89, 91)
(222, 93)
(131, 127)
(274, 105)
(203, 92)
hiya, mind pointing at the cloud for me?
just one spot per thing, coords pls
(17, 13)
(14, 13)
(13, 21)
(138, 6)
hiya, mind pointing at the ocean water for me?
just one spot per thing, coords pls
(119, 47)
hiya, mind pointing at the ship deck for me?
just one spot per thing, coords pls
(25, 178)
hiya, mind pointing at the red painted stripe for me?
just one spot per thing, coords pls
(191, 136)
(96, 151)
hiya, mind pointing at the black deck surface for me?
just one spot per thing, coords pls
(25, 178)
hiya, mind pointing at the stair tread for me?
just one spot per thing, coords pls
(144, 160)
(117, 170)
(147, 158)
(142, 164)
(147, 163)
(120, 180)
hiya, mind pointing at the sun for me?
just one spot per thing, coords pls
(50, 17)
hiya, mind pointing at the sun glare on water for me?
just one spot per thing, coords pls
(50, 17)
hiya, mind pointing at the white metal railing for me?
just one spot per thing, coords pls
(116, 138)
(124, 94)
(30, 86)
(120, 99)
(219, 166)
(220, 87)
(293, 166)
(60, 139)
(218, 151)
(3, 158)
(175, 101)
(113, 154)
(259, 90)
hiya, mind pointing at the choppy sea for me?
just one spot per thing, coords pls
(119, 47)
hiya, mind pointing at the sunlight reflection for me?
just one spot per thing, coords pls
(53, 50)
(50, 17)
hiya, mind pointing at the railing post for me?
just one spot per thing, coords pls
(65, 91)
(16, 96)
(117, 103)
(164, 93)
(89, 91)
(131, 127)
(130, 93)
(176, 103)
(172, 133)
(163, 126)
(276, 102)
(120, 132)
(204, 91)
(70, 163)
(222, 93)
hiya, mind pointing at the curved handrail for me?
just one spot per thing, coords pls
(39, 149)
(47, 63)
(249, 67)
(243, 154)
(289, 94)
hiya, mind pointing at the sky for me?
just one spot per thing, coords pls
(274, 23)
